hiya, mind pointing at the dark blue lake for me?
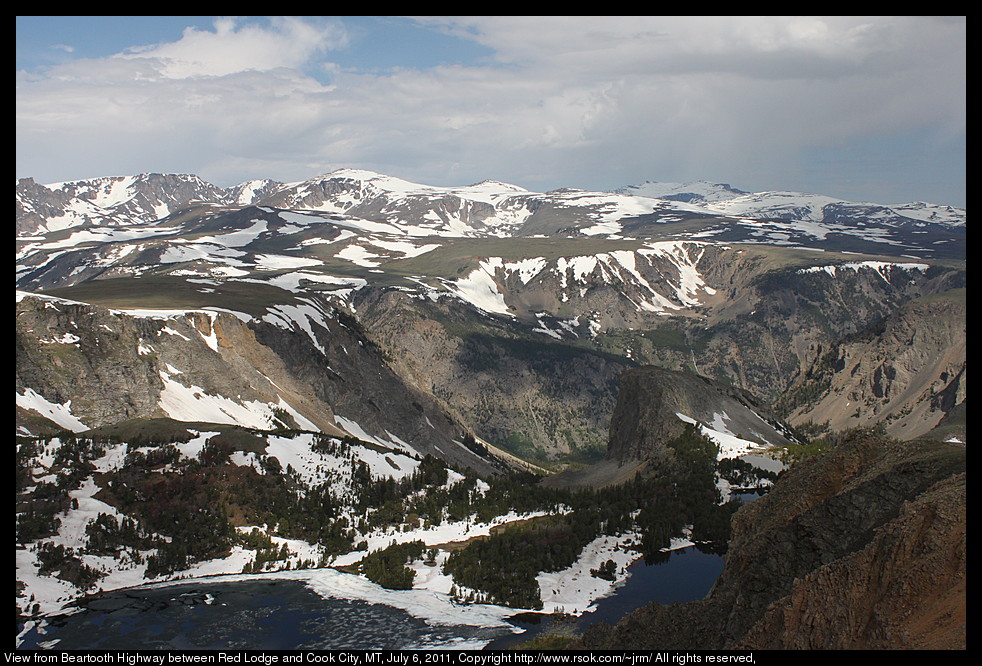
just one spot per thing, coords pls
(687, 575)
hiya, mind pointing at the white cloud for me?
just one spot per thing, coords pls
(581, 101)
(288, 42)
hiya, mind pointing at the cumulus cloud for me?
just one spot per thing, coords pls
(232, 47)
(581, 101)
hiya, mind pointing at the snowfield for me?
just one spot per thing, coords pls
(60, 414)
(730, 446)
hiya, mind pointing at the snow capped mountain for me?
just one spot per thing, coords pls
(723, 199)
(316, 230)
(820, 208)
(252, 191)
(108, 201)
(488, 208)
(699, 191)
(927, 212)
(565, 266)
(776, 205)
(339, 190)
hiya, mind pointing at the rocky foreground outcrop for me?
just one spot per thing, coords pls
(862, 547)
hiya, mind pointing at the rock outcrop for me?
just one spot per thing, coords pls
(862, 547)
(653, 400)
(905, 588)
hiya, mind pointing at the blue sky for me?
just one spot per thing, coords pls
(373, 43)
(863, 108)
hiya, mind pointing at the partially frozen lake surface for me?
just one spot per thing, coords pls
(267, 614)
(272, 613)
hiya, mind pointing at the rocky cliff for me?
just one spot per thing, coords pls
(862, 547)
(654, 405)
(538, 398)
(907, 371)
(776, 322)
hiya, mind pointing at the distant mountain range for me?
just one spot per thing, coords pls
(497, 209)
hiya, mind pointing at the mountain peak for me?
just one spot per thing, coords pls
(491, 183)
(698, 191)
(357, 174)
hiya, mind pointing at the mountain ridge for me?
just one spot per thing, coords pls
(116, 194)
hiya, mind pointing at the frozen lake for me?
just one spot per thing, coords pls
(267, 614)
(282, 614)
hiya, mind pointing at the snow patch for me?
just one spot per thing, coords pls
(882, 267)
(191, 403)
(59, 413)
(730, 446)
(480, 290)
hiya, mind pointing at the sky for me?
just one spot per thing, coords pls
(861, 108)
